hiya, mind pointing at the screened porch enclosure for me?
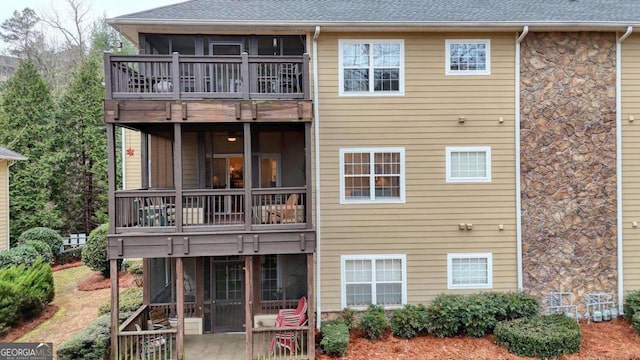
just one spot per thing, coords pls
(217, 177)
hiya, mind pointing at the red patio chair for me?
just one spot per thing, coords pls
(288, 339)
(300, 309)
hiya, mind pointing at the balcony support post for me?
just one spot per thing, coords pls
(175, 74)
(248, 201)
(144, 158)
(248, 293)
(107, 76)
(246, 79)
(307, 169)
(115, 308)
(311, 298)
(180, 308)
(177, 173)
(111, 175)
(305, 76)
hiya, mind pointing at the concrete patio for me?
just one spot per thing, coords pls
(228, 346)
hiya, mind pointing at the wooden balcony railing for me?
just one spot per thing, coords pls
(281, 343)
(202, 208)
(136, 342)
(206, 77)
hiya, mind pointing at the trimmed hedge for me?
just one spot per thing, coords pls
(94, 252)
(24, 254)
(335, 337)
(24, 292)
(476, 314)
(409, 321)
(130, 300)
(631, 304)
(373, 322)
(44, 234)
(542, 337)
(90, 343)
(349, 317)
(42, 248)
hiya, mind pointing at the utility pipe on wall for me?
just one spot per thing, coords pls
(525, 31)
(316, 139)
(619, 164)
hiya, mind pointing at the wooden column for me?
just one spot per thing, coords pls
(248, 298)
(247, 177)
(177, 173)
(200, 286)
(144, 159)
(307, 174)
(180, 308)
(146, 281)
(311, 308)
(107, 76)
(111, 176)
(114, 308)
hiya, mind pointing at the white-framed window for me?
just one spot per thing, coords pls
(468, 57)
(470, 271)
(371, 67)
(372, 175)
(374, 279)
(468, 164)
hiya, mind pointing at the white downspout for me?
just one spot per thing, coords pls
(316, 139)
(124, 157)
(525, 31)
(8, 239)
(619, 164)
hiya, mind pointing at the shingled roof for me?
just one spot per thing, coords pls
(6, 154)
(319, 12)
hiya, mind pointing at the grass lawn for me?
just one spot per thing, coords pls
(76, 308)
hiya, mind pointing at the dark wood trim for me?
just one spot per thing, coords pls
(307, 169)
(146, 280)
(200, 286)
(257, 302)
(139, 111)
(177, 173)
(111, 174)
(311, 309)
(212, 244)
(144, 159)
(180, 308)
(305, 77)
(247, 178)
(248, 297)
(107, 79)
(114, 308)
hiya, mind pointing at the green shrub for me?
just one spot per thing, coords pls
(90, 343)
(42, 248)
(349, 317)
(335, 337)
(44, 234)
(443, 316)
(130, 300)
(635, 322)
(409, 321)
(9, 305)
(20, 255)
(541, 337)
(631, 304)
(70, 255)
(373, 322)
(94, 252)
(518, 305)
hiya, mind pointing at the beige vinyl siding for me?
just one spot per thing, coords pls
(423, 121)
(132, 164)
(4, 205)
(631, 161)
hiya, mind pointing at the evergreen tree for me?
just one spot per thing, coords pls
(26, 110)
(82, 184)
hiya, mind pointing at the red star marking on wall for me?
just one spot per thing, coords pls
(130, 152)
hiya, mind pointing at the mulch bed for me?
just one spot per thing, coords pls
(26, 326)
(96, 282)
(614, 340)
(66, 266)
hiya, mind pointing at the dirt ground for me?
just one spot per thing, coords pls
(614, 340)
(75, 308)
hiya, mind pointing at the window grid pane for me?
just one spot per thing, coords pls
(468, 164)
(469, 271)
(468, 57)
(360, 282)
(387, 164)
(382, 60)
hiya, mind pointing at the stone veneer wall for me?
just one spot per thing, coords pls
(568, 163)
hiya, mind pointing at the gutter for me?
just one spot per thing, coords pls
(316, 139)
(619, 165)
(524, 33)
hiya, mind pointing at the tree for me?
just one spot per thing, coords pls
(82, 180)
(21, 34)
(27, 124)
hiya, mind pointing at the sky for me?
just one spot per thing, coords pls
(98, 8)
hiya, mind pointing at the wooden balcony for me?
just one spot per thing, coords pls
(178, 76)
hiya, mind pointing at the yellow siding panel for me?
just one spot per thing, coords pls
(631, 161)
(423, 121)
(132, 160)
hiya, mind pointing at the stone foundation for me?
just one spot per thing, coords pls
(568, 163)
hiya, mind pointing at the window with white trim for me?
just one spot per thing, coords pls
(468, 57)
(371, 67)
(372, 175)
(470, 271)
(468, 163)
(374, 279)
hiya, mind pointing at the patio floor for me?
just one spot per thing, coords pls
(229, 346)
